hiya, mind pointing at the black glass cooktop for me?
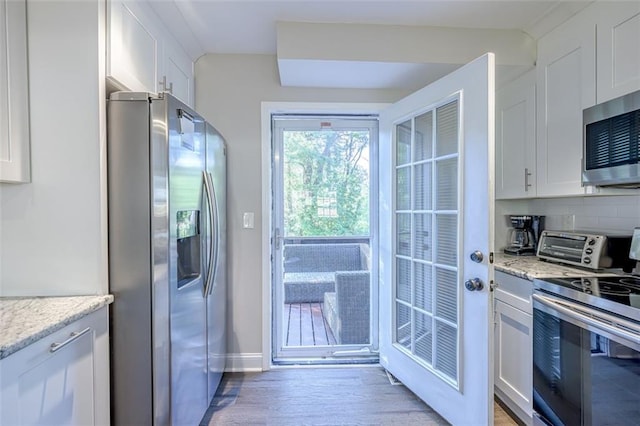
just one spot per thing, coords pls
(615, 293)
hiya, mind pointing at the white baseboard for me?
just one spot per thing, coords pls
(244, 362)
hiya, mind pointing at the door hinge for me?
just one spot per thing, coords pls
(491, 257)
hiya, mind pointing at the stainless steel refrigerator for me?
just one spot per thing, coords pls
(167, 245)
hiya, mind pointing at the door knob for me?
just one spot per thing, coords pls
(477, 256)
(474, 284)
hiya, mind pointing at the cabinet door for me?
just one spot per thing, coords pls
(14, 95)
(178, 70)
(46, 396)
(618, 44)
(565, 86)
(133, 46)
(513, 357)
(68, 385)
(516, 138)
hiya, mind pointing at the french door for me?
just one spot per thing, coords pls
(436, 236)
(325, 295)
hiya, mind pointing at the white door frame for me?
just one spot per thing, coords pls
(267, 110)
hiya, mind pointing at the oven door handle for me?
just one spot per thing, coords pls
(611, 324)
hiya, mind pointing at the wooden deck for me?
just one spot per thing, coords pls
(305, 325)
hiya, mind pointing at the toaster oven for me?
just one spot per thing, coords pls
(585, 249)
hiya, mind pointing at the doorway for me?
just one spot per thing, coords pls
(324, 213)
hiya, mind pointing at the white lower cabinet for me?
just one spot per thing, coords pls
(62, 379)
(513, 345)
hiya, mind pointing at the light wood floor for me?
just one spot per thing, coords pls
(321, 396)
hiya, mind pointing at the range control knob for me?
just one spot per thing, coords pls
(591, 242)
(587, 260)
(588, 250)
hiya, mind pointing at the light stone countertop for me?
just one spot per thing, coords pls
(530, 267)
(23, 320)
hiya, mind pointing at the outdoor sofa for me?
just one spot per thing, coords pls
(336, 275)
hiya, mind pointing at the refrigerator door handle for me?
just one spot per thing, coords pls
(208, 186)
(216, 236)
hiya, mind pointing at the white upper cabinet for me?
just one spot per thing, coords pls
(178, 71)
(516, 138)
(618, 49)
(142, 55)
(566, 84)
(133, 47)
(14, 93)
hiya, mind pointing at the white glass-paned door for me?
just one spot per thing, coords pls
(426, 187)
(436, 211)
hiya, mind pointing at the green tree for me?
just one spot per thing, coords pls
(326, 183)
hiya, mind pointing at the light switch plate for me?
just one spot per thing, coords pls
(247, 220)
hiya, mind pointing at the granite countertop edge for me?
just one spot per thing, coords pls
(24, 320)
(531, 267)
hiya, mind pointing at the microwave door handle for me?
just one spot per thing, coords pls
(208, 189)
(627, 331)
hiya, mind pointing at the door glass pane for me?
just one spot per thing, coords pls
(423, 286)
(446, 360)
(403, 234)
(447, 178)
(403, 194)
(422, 242)
(446, 294)
(447, 129)
(424, 337)
(326, 183)
(403, 143)
(424, 136)
(447, 242)
(403, 322)
(422, 184)
(427, 210)
(403, 281)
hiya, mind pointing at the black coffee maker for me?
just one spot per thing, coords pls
(524, 234)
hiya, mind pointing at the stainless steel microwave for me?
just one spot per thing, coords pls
(611, 143)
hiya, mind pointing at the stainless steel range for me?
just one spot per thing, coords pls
(586, 348)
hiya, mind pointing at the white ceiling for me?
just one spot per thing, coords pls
(249, 27)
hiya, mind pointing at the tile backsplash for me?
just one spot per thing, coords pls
(615, 214)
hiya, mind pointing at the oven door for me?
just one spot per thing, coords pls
(586, 365)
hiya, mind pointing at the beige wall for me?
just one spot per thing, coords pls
(229, 93)
(53, 230)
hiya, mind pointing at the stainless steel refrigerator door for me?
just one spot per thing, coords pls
(134, 362)
(216, 303)
(184, 131)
